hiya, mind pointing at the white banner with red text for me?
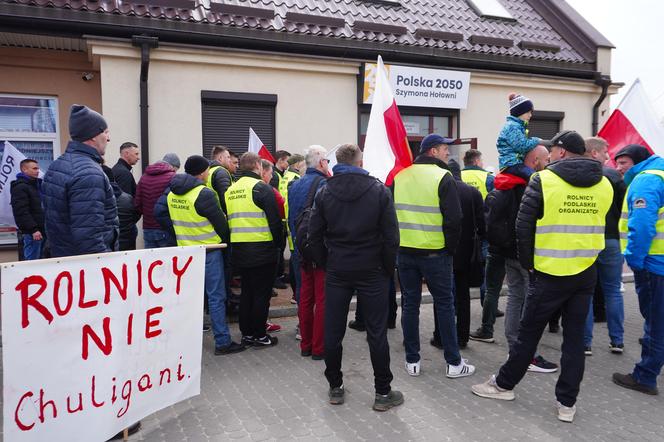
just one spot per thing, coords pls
(94, 343)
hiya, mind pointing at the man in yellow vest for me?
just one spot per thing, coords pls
(474, 174)
(220, 177)
(641, 228)
(560, 232)
(256, 236)
(429, 214)
(190, 210)
(296, 168)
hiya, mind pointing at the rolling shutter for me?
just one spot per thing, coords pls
(227, 117)
(545, 124)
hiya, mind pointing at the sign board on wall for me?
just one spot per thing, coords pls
(94, 343)
(421, 87)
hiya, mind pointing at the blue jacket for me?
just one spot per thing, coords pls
(79, 205)
(513, 144)
(297, 195)
(649, 190)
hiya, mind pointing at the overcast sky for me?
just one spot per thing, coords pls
(636, 29)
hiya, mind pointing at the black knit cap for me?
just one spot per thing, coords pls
(196, 165)
(636, 152)
(84, 123)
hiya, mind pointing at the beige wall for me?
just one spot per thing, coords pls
(54, 73)
(317, 99)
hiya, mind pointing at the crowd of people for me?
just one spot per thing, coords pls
(555, 223)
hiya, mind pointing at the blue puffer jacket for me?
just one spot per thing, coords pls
(79, 205)
(513, 144)
(297, 195)
(649, 190)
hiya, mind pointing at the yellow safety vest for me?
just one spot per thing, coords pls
(657, 244)
(190, 227)
(477, 179)
(284, 181)
(247, 221)
(570, 235)
(208, 181)
(418, 206)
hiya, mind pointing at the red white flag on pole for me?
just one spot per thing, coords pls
(256, 146)
(386, 150)
(633, 122)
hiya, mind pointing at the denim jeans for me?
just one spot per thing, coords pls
(494, 276)
(215, 289)
(609, 273)
(156, 238)
(32, 249)
(436, 269)
(517, 291)
(650, 290)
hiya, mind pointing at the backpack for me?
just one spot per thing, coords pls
(302, 223)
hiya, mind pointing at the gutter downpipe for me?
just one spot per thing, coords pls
(604, 81)
(145, 43)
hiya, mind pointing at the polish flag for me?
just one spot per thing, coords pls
(633, 122)
(256, 146)
(386, 150)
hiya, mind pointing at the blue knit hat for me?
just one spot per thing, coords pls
(433, 140)
(519, 105)
(84, 123)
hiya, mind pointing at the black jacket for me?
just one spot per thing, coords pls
(254, 254)
(472, 210)
(580, 172)
(276, 177)
(619, 188)
(26, 204)
(124, 178)
(500, 209)
(450, 207)
(127, 214)
(205, 205)
(353, 225)
(221, 180)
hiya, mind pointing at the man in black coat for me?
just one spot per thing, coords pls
(27, 209)
(353, 234)
(127, 214)
(129, 156)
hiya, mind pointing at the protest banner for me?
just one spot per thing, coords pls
(94, 343)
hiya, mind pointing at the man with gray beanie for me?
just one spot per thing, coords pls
(80, 208)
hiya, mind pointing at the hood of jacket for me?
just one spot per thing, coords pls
(507, 181)
(579, 172)
(183, 183)
(349, 183)
(158, 168)
(654, 162)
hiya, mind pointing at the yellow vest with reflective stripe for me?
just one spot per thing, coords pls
(284, 181)
(477, 179)
(657, 244)
(208, 181)
(247, 221)
(190, 227)
(418, 206)
(570, 235)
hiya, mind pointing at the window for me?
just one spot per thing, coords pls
(227, 117)
(545, 124)
(30, 124)
(490, 9)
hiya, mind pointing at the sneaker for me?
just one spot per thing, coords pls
(436, 343)
(565, 414)
(265, 341)
(392, 324)
(231, 348)
(499, 313)
(482, 336)
(274, 293)
(627, 381)
(554, 328)
(336, 395)
(272, 328)
(616, 348)
(247, 341)
(316, 357)
(385, 402)
(293, 300)
(622, 287)
(541, 365)
(356, 325)
(305, 353)
(206, 328)
(413, 368)
(491, 390)
(298, 336)
(588, 351)
(461, 370)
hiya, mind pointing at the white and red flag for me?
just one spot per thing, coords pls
(386, 150)
(256, 146)
(633, 122)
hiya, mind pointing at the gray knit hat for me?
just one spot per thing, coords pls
(84, 123)
(172, 159)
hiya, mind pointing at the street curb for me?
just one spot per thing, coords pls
(291, 310)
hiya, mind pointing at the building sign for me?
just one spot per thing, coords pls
(421, 87)
(94, 343)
